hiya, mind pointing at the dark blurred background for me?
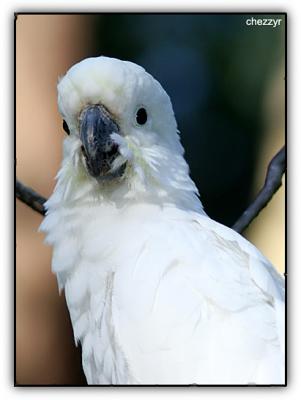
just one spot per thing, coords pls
(226, 83)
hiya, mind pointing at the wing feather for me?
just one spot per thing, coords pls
(204, 306)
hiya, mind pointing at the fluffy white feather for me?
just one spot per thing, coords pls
(158, 292)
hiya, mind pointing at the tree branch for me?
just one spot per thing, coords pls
(30, 197)
(276, 169)
(272, 183)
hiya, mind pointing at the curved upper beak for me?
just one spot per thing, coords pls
(96, 128)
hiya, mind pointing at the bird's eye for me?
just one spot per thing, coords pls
(141, 116)
(65, 127)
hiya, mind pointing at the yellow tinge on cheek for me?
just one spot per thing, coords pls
(138, 163)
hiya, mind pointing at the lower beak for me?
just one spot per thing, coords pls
(96, 128)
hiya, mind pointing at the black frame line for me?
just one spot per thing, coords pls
(251, 12)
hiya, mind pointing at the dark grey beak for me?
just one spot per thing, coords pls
(96, 127)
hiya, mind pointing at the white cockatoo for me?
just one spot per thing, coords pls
(158, 293)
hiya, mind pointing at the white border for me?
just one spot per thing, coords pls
(294, 199)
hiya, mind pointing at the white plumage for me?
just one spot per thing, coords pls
(158, 292)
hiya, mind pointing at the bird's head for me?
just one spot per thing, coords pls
(121, 129)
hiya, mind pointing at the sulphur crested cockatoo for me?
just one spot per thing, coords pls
(158, 293)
